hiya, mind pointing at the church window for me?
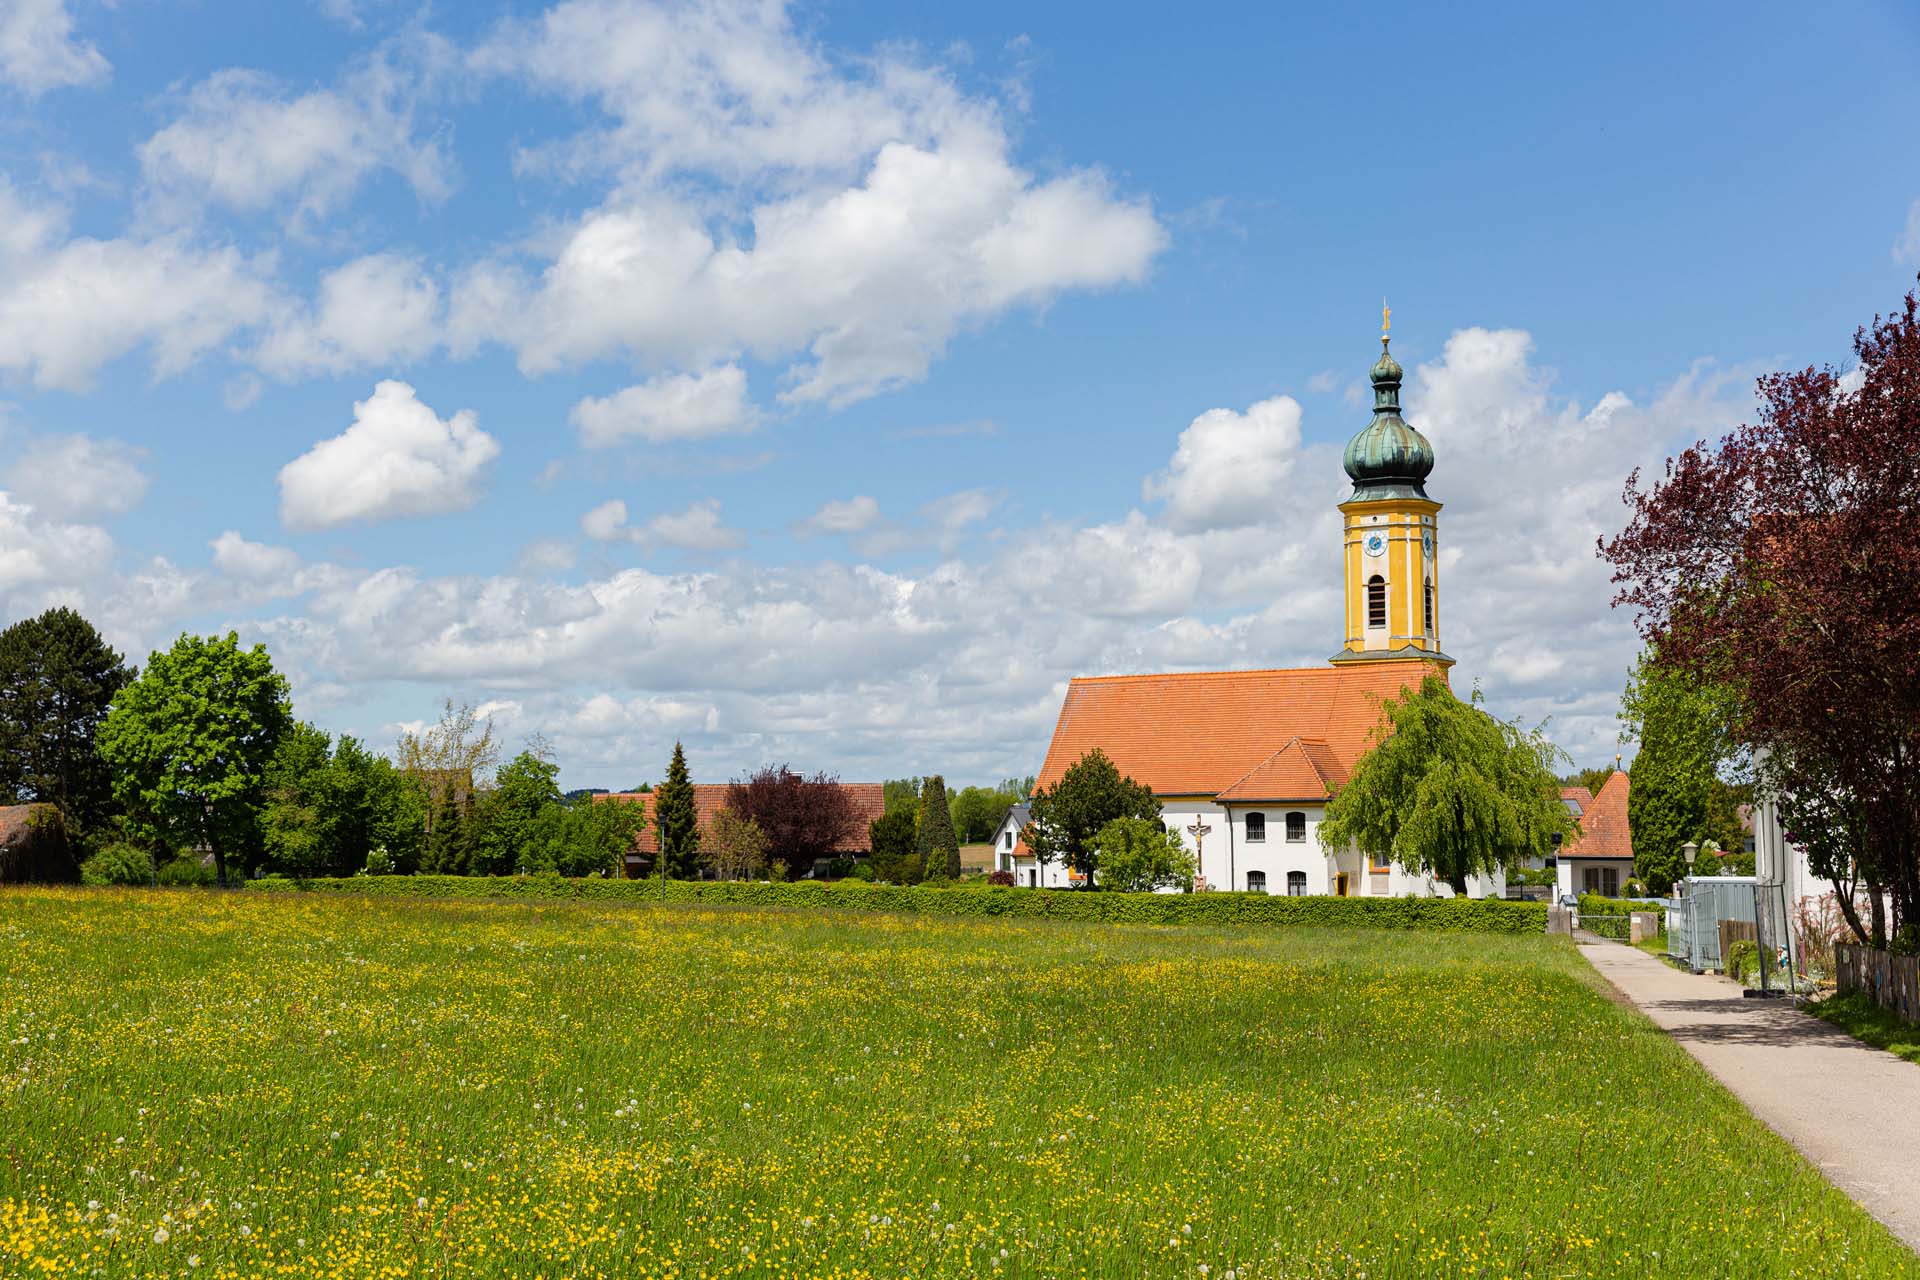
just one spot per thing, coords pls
(1256, 828)
(1296, 828)
(1256, 882)
(1376, 601)
(1429, 606)
(1296, 884)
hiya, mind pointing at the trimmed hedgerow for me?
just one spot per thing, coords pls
(1458, 915)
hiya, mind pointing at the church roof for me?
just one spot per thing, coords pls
(1603, 824)
(1210, 732)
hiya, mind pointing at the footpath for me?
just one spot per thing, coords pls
(1853, 1110)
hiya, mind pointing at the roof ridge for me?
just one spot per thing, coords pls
(1294, 741)
(1203, 675)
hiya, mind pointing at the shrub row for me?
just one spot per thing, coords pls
(1456, 915)
(1592, 904)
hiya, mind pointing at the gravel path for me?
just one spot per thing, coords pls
(1854, 1111)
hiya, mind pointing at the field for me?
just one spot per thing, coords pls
(235, 1085)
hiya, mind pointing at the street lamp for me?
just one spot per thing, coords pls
(1690, 851)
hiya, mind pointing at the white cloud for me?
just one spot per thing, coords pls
(68, 306)
(78, 477)
(235, 555)
(244, 142)
(1231, 469)
(38, 50)
(855, 216)
(843, 515)
(698, 528)
(956, 511)
(607, 522)
(377, 310)
(397, 459)
(1906, 248)
(685, 406)
(241, 393)
(37, 552)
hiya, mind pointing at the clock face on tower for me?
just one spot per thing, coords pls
(1426, 544)
(1375, 544)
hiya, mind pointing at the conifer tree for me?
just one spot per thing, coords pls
(676, 821)
(449, 844)
(939, 850)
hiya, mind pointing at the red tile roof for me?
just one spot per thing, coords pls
(1579, 795)
(1603, 825)
(709, 798)
(1208, 732)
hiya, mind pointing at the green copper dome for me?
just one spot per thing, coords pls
(1388, 459)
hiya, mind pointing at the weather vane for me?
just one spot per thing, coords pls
(1386, 315)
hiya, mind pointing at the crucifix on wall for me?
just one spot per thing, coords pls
(1198, 831)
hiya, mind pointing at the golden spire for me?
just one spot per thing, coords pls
(1386, 317)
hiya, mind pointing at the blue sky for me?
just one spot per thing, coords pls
(829, 384)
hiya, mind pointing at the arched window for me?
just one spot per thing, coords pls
(1376, 601)
(1256, 828)
(1296, 884)
(1256, 882)
(1296, 827)
(1429, 606)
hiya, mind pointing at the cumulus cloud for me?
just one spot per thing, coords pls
(956, 511)
(36, 551)
(1230, 468)
(78, 477)
(38, 50)
(70, 305)
(235, 555)
(244, 142)
(857, 215)
(698, 528)
(607, 522)
(376, 310)
(1906, 247)
(398, 458)
(843, 515)
(684, 406)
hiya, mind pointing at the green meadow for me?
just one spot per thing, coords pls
(205, 1084)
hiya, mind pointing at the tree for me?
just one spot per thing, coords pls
(1067, 816)
(1591, 779)
(901, 793)
(894, 847)
(450, 843)
(190, 740)
(939, 851)
(805, 819)
(735, 847)
(512, 812)
(979, 811)
(460, 743)
(1785, 561)
(676, 822)
(293, 826)
(57, 680)
(1449, 790)
(579, 837)
(1138, 855)
(1677, 793)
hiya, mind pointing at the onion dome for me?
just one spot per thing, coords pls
(1388, 459)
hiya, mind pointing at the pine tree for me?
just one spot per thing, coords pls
(939, 850)
(449, 850)
(677, 821)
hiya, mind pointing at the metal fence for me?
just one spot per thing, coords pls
(1697, 914)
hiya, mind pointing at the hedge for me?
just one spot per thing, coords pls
(1592, 904)
(1453, 915)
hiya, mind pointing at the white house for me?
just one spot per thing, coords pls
(1244, 762)
(1599, 859)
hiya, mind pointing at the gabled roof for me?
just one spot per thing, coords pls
(1577, 799)
(709, 798)
(1301, 770)
(1203, 732)
(1603, 824)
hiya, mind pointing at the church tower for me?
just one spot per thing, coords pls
(1391, 533)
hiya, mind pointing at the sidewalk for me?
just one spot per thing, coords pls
(1852, 1110)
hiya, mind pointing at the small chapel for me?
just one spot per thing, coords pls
(1247, 793)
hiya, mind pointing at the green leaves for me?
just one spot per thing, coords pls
(1066, 817)
(1450, 790)
(1139, 855)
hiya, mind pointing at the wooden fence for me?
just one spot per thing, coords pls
(1890, 981)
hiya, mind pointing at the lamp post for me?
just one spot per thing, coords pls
(1690, 851)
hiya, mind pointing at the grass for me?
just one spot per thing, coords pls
(230, 1085)
(1858, 1016)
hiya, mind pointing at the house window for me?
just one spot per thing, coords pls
(1256, 882)
(1429, 606)
(1296, 884)
(1604, 881)
(1256, 828)
(1296, 827)
(1009, 839)
(1376, 601)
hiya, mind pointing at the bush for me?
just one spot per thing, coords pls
(1003, 879)
(1451, 915)
(118, 863)
(186, 869)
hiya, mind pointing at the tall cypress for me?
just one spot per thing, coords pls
(676, 821)
(939, 850)
(57, 679)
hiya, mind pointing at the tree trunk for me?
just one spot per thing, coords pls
(219, 867)
(1459, 882)
(1843, 896)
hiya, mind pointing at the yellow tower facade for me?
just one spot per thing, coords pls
(1391, 534)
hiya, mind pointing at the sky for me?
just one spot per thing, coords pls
(829, 384)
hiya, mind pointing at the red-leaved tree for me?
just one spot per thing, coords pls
(805, 819)
(1786, 562)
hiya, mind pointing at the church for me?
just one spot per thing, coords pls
(1247, 791)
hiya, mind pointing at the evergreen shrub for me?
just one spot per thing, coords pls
(1451, 915)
